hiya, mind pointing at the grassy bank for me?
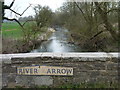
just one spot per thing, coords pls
(18, 43)
(11, 30)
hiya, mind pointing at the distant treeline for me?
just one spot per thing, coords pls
(92, 25)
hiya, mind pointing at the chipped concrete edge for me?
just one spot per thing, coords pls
(8, 57)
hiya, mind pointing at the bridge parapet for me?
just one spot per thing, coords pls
(87, 68)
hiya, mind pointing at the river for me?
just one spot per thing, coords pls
(58, 42)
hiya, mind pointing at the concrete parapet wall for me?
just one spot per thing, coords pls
(88, 68)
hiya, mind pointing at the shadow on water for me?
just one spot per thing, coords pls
(58, 42)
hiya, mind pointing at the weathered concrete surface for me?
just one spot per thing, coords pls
(88, 68)
(0, 74)
(36, 80)
(63, 55)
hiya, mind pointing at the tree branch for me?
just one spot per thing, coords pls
(108, 25)
(114, 9)
(8, 7)
(96, 35)
(14, 20)
(22, 12)
(27, 21)
(81, 11)
(12, 3)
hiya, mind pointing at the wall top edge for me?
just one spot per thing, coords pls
(63, 55)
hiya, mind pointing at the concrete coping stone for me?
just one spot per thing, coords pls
(61, 55)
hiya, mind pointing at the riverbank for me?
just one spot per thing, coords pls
(58, 42)
(11, 45)
(96, 43)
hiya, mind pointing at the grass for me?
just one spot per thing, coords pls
(70, 87)
(90, 85)
(11, 29)
(82, 85)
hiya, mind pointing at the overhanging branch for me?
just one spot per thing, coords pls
(96, 35)
(12, 4)
(27, 21)
(13, 19)
(22, 12)
(114, 9)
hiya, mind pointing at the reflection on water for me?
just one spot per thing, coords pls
(58, 42)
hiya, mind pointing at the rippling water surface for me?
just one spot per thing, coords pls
(58, 42)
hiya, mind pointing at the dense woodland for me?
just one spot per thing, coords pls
(94, 26)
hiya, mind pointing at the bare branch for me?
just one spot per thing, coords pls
(22, 25)
(12, 3)
(22, 12)
(27, 21)
(108, 25)
(81, 11)
(8, 7)
(96, 35)
(15, 12)
(114, 9)
(14, 20)
(26, 9)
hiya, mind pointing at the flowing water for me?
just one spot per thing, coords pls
(58, 42)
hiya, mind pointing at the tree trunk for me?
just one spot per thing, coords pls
(108, 25)
(0, 14)
(119, 26)
(0, 28)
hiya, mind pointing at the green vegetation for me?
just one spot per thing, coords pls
(90, 85)
(93, 25)
(82, 85)
(12, 30)
(29, 33)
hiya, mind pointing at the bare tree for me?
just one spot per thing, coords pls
(104, 15)
(4, 7)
